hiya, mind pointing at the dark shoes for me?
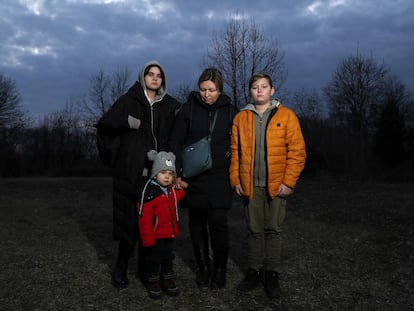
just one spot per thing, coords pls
(169, 286)
(119, 279)
(271, 284)
(153, 286)
(215, 280)
(203, 277)
(269, 279)
(251, 281)
(218, 279)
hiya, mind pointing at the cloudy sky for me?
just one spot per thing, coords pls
(50, 48)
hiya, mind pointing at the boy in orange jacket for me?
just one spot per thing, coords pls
(267, 156)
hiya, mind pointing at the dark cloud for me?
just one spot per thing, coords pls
(51, 48)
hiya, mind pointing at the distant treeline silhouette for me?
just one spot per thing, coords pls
(362, 129)
(61, 148)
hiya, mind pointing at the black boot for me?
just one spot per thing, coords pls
(204, 266)
(119, 274)
(271, 284)
(199, 239)
(119, 278)
(141, 273)
(218, 278)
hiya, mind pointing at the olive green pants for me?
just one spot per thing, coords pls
(265, 217)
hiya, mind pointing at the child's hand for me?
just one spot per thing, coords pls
(179, 183)
(284, 191)
(239, 190)
(184, 184)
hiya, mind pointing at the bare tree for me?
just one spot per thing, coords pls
(103, 92)
(392, 137)
(11, 113)
(182, 92)
(356, 91)
(12, 123)
(242, 50)
(396, 90)
(307, 105)
(355, 96)
(64, 144)
(119, 83)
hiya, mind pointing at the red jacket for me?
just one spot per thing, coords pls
(158, 214)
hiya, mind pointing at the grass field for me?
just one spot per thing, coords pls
(348, 246)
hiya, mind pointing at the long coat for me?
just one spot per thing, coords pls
(212, 188)
(153, 133)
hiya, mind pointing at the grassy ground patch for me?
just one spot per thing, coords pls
(347, 247)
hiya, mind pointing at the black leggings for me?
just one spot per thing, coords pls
(159, 258)
(125, 251)
(205, 223)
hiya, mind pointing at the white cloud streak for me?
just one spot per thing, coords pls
(46, 42)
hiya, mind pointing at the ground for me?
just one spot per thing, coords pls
(347, 246)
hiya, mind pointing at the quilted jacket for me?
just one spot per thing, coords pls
(284, 147)
(158, 213)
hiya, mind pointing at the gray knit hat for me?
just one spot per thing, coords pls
(162, 161)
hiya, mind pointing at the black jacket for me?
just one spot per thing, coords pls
(212, 188)
(153, 133)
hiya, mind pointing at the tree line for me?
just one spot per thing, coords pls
(360, 125)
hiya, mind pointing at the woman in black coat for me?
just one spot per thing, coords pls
(142, 118)
(209, 195)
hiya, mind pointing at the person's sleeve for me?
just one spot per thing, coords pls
(235, 157)
(296, 152)
(177, 138)
(146, 225)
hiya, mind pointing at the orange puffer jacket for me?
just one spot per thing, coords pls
(284, 145)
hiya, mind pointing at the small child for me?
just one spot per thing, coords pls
(158, 224)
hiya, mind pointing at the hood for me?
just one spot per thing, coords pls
(163, 88)
(273, 104)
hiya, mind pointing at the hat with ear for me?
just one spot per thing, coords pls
(161, 161)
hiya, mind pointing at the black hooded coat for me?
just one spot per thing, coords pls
(212, 188)
(153, 132)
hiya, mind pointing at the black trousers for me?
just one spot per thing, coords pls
(210, 226)
(125, 251)
(159, 258)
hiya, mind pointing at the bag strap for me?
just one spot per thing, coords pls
(212, 124)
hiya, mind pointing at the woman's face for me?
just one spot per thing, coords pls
(153, 79)
(209, 92)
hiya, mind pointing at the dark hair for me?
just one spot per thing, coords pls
(214, 75)
(258, 76)
(148, 68)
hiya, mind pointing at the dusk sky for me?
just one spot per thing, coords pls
(51, 48)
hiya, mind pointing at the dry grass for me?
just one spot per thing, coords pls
(347, 247)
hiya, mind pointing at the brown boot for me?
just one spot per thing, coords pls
(169, 286)
(153, 286)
